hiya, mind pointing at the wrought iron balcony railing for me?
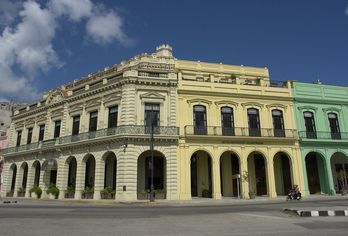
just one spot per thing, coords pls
(323, 135)
(238, 131)
(125, 130)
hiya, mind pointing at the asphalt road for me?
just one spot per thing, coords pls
(249, 218)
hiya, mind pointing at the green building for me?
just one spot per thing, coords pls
(322, 121)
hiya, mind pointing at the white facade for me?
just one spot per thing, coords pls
(127, 88)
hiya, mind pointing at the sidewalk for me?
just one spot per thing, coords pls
(182, 203)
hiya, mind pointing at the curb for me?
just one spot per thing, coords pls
(304, 213)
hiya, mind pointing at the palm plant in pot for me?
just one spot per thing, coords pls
(70, 192)
(52, 191)
(35, 192)
(342, 180)
(21, 192)
(108, 193)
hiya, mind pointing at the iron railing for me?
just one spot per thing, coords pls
(278, 84)
(323, 135)
(239, 131)
(125, 130)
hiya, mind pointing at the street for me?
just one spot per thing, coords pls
(249, 218)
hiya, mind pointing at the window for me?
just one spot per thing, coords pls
(227, 122)
(19, 137)
(41, 132)
(76, 125)
(278, 123)
(30, 135)
(310, 125)
(152, 114)
(334, 126)
(200, 120)
(57, 125)
(254, 122)
(93, 121)
(112, 122)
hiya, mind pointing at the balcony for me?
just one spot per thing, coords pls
(322, 135)
(239, 132)
(120, 131)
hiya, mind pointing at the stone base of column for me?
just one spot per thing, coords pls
(77, 195)
(172, 195)
(217, 196)
(185, 196)
(126, 196)
(96, 195)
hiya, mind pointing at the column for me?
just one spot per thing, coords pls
(42, 183)
(80, 177)
(171, 171)
(216, 179)
(328, 173)
(30, 180)
(270, 179)
(244, 175)
(98, 176)
(61, 173)
(19, 180)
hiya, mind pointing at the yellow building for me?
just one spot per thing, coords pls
(235, 121)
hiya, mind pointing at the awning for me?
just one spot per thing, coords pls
(49, 164)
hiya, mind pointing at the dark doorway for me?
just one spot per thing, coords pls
(313, 173)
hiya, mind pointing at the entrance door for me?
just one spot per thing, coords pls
(194, 192)
(312, 174)
(310, 125)
(278, 123)
(200, 120)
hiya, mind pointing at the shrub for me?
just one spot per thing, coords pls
(107, 190)
(88, 190)
(21, 190)
(37, 190)
(70, 189)
(52, 189)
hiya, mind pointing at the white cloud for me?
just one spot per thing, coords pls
(346, 11)
(8, 11)
(75, 10)
(26, 48)
(106, 28)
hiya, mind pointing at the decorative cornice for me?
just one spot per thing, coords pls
(226, 103)
(199, 101)
(303, 108)
(275, 105)
(331, 109)
(252, 104)
(152, 95)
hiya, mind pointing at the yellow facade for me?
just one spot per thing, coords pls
(260, 159)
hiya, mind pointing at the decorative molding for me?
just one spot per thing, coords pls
(252, 104)
(111, 97)
(93, 103)
(332, 109)
(199, 101)
(226, 103)
(276, 105)
(304, 108)
(54, 97)
(76, 108)
(152, 95)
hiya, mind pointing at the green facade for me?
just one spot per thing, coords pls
(321, 114)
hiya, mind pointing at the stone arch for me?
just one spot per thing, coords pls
(110, 167)
(339, 170)
(144, 174)
(24, 174)
(90, 164)
(257, 173)
(50, 166)
(12, 176)
(283, 173)
(71, 166)
(315, 171)
(36, 169)
(201, 174)
(229, 169)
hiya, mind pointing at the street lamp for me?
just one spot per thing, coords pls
(152, 197)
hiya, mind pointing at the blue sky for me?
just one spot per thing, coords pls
(46, 43)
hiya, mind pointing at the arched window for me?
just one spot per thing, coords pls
(278, 123)
(227, 121)
(334, 126)
(309, 124)
(254, 122)
(200, 120)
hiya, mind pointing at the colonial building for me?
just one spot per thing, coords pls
(6, 110)
(235, 121)
(95, 133)
(321, 115)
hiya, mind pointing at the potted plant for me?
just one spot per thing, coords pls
(87, 193)
(9, 194)
(108, 193)
(35, 192)
(52, 191)
(160, 194)
(21, 192)
(143, 194)
(342, 179)
(206, 193)
(70, 192)
(245, 178)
